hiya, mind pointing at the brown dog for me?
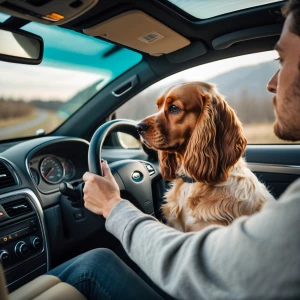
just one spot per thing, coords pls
(200, 144)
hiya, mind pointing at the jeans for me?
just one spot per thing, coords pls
(101, 274)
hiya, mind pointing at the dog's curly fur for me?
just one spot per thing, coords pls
(197, 134)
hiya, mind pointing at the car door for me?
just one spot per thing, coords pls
(276, 165)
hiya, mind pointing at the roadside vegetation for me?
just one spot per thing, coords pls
(11, 109)
(18, 112)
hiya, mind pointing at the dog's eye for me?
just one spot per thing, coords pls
(173, 109)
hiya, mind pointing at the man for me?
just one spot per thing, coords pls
(256, 257)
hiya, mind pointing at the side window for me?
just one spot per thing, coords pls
(242, 80)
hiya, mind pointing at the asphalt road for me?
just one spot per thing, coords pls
(13, 130)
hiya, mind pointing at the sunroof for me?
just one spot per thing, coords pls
(204, 9)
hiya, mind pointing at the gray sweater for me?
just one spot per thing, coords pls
(256, 257)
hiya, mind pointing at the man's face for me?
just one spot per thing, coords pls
(286, 85)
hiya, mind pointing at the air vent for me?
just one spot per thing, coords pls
(17, 207)
(6, 177)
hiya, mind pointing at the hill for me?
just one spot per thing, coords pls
(244, 89)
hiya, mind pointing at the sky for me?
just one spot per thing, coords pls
(49, 83)
(203, 9)
(42, 82)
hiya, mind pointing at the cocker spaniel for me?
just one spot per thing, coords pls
(200, 143)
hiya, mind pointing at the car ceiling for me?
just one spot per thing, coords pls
(204, 31)
(197, 31)
(192, 28)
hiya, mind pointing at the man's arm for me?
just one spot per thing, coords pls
(255, 257)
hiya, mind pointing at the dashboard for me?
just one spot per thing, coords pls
(40, 227)
(38, 224)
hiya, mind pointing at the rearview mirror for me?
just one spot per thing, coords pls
(19, 46)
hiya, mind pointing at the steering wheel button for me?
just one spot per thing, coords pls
(150, 169)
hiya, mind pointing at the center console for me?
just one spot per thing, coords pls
(23, 244)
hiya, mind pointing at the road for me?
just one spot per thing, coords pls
(13, 130)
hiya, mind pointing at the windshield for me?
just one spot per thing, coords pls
(38, 98)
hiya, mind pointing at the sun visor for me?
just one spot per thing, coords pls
(51, 12)
(139, 31)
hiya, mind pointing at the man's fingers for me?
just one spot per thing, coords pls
(106, 170)
(88, 176)
(91, 176)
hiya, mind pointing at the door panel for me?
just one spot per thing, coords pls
(275, 165)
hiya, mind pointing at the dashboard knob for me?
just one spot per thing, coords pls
(21, 249)
(35, 242)
(4, 256)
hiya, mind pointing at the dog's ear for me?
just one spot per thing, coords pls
(168, 165)
(217, 142)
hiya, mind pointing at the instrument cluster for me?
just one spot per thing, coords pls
(51, 169)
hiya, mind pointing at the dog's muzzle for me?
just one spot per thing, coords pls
(141, 128)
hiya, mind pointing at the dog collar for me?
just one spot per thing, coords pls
(187, 179)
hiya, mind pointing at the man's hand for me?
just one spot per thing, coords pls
(101, 194)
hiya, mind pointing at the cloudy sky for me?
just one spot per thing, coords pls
(41, 82)
(203, 9)
(207, 71)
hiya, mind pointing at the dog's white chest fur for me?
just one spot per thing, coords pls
(193, 206)
(186, 219)
(185, 193)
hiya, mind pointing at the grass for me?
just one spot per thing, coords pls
(262, 133)
(15, 121)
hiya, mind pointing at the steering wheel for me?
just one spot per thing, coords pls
(134, 177)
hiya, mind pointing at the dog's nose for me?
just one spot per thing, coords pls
(141, 128)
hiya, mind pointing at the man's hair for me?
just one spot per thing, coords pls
(293, 6)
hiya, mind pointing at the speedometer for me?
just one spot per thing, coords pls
(52, 170)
